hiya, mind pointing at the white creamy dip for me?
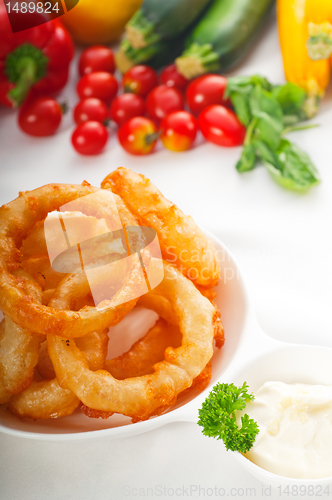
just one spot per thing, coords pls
(295, 429)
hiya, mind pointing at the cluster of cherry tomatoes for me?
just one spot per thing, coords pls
(97, 88)
(151, 108)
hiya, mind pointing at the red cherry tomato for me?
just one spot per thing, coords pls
(102, 85)
(138, 135)
(171, 77)
(96, 58)
(40, 117)
(178, 131)
(90, 109)
(162, 101)
(206, 90)
(126, 106)
(89, 138)
(140, 80)
(221, 126)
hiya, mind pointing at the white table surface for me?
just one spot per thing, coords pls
(282, 242)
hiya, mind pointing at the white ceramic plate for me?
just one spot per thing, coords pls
(232, 301)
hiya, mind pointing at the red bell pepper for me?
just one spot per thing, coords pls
(37, 58)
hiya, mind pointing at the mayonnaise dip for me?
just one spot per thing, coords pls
(295, 429)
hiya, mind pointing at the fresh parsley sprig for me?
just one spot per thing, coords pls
(217, 417)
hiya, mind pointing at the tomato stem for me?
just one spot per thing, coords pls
(150, 138)
(64, 107)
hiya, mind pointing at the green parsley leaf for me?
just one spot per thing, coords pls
(217, 417)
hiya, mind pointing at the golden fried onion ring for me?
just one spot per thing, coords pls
(181, 241)
(16, 218)
(140, 359)
(46, 399)
(140, 397)
(158, 303)
(144, 353)
(18, 348)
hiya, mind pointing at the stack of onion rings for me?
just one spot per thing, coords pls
(53, 340)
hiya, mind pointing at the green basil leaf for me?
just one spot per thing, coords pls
(262, 82)
(291, 99)
(246, 83)
(268, 130)
(294, 170)
(241, 107)
(248, 158)
(265, 107)
(265, 152)
(239, 89)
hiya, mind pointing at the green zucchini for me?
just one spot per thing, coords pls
(127, 57)
(158, 20)
(223, 35)
(157, 55)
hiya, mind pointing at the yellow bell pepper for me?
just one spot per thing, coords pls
(99, 21)
(299, 22)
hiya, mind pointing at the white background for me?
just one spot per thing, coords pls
(282, 242)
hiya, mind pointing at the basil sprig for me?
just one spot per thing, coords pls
(269, 112)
